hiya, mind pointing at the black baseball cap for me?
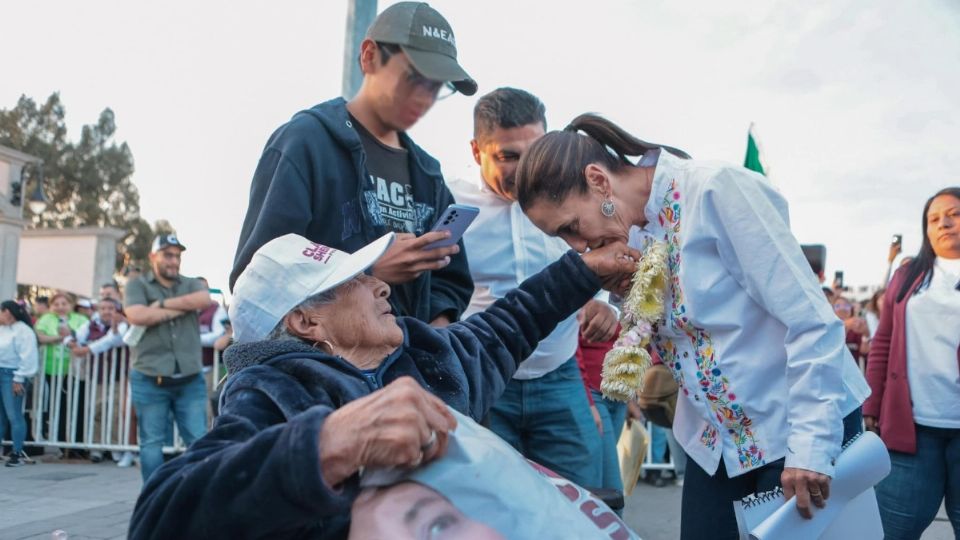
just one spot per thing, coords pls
(164, 241)
(427, 39)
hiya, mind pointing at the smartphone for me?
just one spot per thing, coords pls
(897, 240)
(456, 218)
(838, 278)
(816, 255)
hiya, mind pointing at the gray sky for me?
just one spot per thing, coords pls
(857, 104)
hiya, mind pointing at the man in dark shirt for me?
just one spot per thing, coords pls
(344, 173)
(165, 376)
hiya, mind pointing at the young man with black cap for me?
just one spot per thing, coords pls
(344, 173)
(165, 376)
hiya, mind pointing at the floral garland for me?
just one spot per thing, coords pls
(625, 364)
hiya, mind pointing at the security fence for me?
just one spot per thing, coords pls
(83, 402)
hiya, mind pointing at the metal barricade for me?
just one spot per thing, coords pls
(85, 402)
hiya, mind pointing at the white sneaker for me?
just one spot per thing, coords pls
(126, 460)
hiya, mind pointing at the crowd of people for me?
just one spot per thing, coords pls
(349, 341)
(52, 352)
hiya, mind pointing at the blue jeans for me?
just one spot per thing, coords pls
(548, 420)
(12, 413)
(910, 496)
(187, 402)
(706, 507)
(612, 413)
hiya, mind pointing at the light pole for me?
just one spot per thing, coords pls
(360, 14)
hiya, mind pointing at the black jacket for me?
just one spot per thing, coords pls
(256, 474)
(311, 181)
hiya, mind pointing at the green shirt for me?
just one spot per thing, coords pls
(172, 347)
(56, 356)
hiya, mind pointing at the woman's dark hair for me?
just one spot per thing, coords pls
(17, 311)
(554, 165)
(922, 265)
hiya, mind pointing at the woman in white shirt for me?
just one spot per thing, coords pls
(914, 371)
(769, 388)
(18, 362)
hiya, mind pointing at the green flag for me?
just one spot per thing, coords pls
(752, 160)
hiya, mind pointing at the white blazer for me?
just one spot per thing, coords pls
(758, 352)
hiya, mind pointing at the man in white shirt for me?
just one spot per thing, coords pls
(544, 412)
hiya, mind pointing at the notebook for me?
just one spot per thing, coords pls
(851, 511)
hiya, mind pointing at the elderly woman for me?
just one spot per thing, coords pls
(767, 380)
(327, 382)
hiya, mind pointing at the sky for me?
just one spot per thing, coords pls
(856, 104)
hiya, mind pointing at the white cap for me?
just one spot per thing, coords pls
(286, 271)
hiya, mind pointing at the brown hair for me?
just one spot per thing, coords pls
(554, 165)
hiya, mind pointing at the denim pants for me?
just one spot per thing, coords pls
(548, 420)
(613, 414)
(707, 501)
(12, 413)
(154, 404)
(910, 496)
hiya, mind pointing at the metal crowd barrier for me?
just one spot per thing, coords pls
(85, 402)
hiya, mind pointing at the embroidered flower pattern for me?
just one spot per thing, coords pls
(709, 437)
(713, 385)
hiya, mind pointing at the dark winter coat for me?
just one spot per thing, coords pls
(257, 473)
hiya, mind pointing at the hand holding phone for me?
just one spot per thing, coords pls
(896, 246)
(407, 257)
(456, 218)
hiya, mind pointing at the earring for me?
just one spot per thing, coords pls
(607, 208)
(329, 345)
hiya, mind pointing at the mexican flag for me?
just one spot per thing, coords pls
(753, 160)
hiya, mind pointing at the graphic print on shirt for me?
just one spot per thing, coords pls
(394, 204)
(421, 216)
(713, 385)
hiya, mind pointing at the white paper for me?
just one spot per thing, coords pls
(852, 500)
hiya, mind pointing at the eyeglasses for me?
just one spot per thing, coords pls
(438, 89)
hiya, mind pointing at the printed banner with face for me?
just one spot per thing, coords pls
(481, 489)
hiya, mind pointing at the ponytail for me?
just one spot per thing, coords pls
(616, 138)
(553, 166)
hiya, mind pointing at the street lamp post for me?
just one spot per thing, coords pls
(38, 199)
(360, 14)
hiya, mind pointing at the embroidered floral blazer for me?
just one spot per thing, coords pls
(759, 354)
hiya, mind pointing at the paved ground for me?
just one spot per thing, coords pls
(94, 502)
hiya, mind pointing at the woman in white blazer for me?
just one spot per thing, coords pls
(769, 388)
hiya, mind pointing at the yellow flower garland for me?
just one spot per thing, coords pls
(628, 360)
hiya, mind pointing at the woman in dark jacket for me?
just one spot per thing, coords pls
(325, 382)
(913, 369)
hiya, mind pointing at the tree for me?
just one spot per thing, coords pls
(88, 181)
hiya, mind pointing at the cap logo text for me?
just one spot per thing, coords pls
(318, 252)
(439, 33)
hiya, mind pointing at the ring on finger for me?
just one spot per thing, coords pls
(430, 442)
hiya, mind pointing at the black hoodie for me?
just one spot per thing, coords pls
(310, 181)
(256, 474)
